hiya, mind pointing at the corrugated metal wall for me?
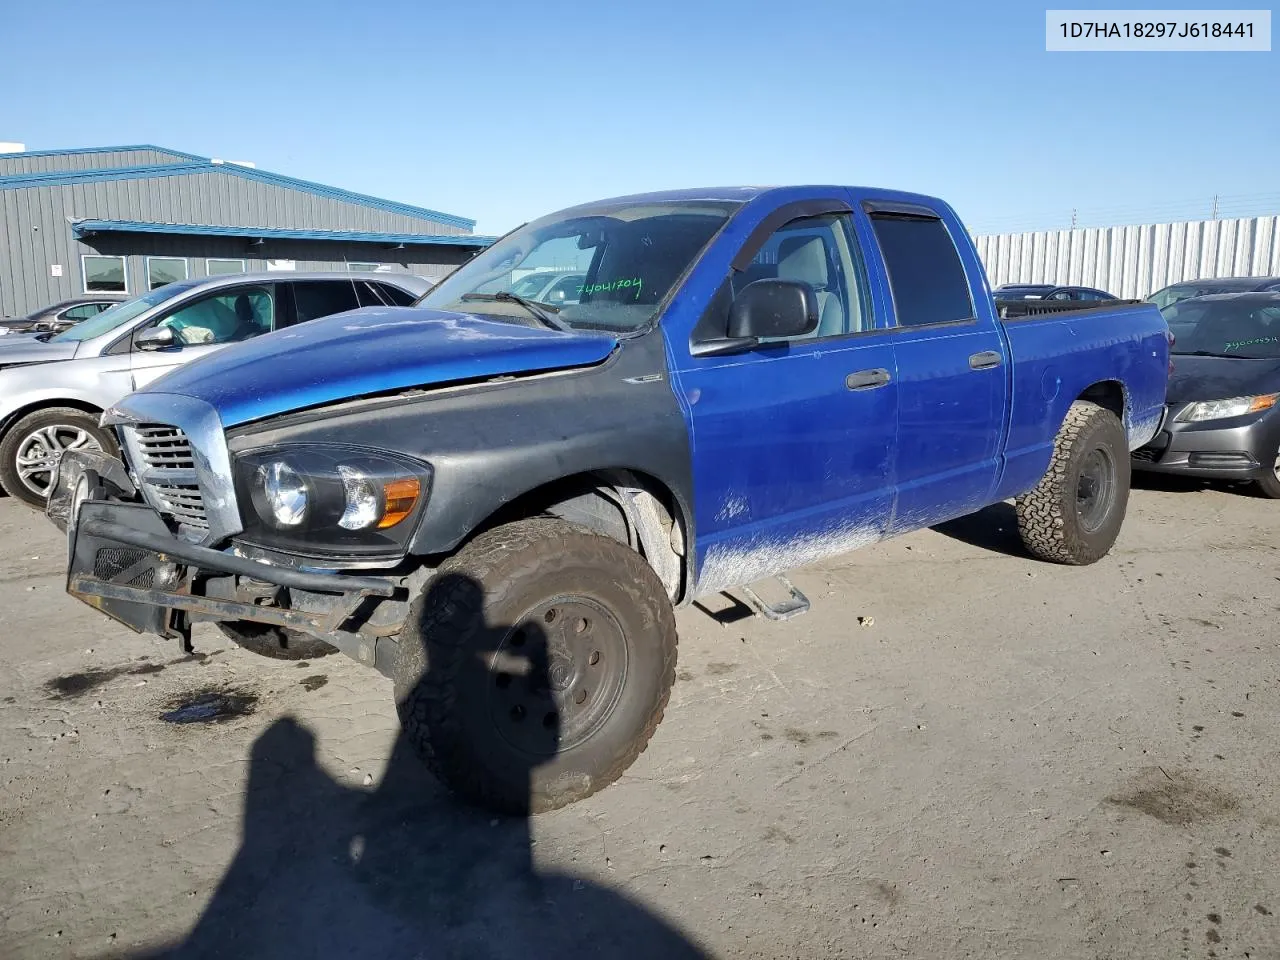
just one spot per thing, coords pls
(35, 229)
(15, 163)
(1135, 261)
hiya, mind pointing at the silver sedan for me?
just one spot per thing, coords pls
(53, 388)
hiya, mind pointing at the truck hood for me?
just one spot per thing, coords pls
(370, 351)
(18, 348)
(1221, 378)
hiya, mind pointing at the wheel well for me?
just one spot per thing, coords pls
(1108, 394)
(45, 405)
(632, 507)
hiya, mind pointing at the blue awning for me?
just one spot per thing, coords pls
(83, 228)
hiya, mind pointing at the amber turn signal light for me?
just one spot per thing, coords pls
(400, 497)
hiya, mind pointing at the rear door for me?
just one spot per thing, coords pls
(793, 441)
(951, 365)
(204, 325)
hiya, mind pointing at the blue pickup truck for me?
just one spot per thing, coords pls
(499, 501)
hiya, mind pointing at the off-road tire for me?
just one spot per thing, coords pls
(1048, 520)
(277, 643)
(50, 416)
(1269, 484)
(443, 670)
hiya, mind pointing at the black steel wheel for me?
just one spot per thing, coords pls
(1075, 512)
(535, 666)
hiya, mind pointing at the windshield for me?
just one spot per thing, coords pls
(1171, 295)
(615, 264)
(1249, 329)
(121, 313)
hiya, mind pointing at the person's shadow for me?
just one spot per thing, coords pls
(326, 870)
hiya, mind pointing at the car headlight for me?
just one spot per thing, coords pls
(1221, 409)
(317, 499)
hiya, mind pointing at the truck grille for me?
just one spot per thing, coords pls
(167, 470)
(163, 448)
(183, 502)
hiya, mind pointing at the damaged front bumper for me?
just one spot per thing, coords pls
(124, 561)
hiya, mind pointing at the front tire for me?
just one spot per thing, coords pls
(535, 666)
(1074, 514)
(1269, 484)
(32, 448)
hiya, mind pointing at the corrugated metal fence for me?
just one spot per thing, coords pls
(1135, 261)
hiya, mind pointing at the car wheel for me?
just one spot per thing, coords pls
(535, 666)
(1269, 484)
(1074, 514)
(33, 447)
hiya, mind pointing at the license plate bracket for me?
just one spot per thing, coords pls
(106, 560)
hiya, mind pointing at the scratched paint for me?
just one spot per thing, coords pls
(735, 505)
(743, 560)
(1141, 430)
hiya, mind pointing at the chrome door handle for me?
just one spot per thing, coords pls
(867, 379)
(985, 360)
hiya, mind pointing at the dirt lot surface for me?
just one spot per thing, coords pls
(959, 753)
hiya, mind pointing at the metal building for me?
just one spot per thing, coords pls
(1135, 261)
(127, 219)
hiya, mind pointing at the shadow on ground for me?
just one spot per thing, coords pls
(327, 870)
(992, 528)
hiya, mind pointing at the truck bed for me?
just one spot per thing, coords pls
(1058, 354)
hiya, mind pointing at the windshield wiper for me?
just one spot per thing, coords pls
(1208, 353)
(545, 314)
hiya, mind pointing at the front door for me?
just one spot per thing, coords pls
(202, 326)
(793, 442)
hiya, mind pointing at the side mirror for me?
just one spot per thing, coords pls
(157, 338)
(774, 308)
(764, 309)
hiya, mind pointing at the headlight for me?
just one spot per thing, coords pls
(1221, 409)
(317, 499)
(283, 493)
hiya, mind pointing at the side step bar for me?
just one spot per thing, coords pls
(796, 603)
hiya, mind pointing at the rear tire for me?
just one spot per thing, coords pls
(1074, 514)
(32, 446)
(535, 666)
(276, 643)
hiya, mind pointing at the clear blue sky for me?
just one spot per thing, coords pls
(500, 112)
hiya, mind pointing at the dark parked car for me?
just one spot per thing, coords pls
(1049, 291)
(1221, 419)
(1170, 295)
(61, 315)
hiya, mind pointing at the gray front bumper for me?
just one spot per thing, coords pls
(1237, 448)
(124, 561)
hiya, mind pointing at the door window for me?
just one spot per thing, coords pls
(394, 295)
(925, 273)
(319, 298)
(225, 317)
(566, 290)
(822, 252)
(83, 312)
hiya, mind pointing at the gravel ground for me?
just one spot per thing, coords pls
(958, 753)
